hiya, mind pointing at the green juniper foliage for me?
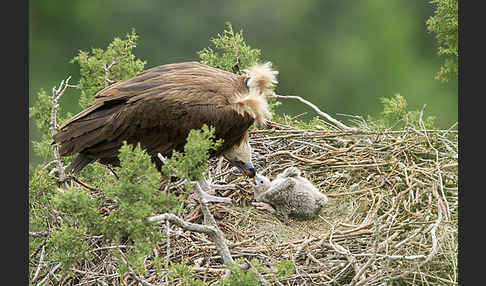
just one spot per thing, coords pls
(285, 268)
(444, 23)
(183, 273)
(78, 208)
(136, 192)
(239, 277)
(40, 112)
(68, 245)
(194, 161)
(258, 266)
(41, 189)
(137, 197)
(93, 74)
(394, 109)
(395, 115)
(95, 174)
(233, 54)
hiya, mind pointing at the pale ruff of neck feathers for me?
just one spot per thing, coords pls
(261, 80)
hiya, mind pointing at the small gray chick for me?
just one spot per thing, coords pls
(288, 195)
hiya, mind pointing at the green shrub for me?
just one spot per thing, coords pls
(68, 245)
(78, 209)
(134, 196)
(137, 196)
(233, 54)
(194, 161)
(93, 74)
(395, 115)
(285, 268)
(239, 277)
(183, 272)
(41, 189)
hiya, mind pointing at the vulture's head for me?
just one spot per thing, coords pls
(240, 156)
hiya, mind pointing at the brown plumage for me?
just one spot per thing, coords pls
(159, 107)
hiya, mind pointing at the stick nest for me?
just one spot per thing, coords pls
(391, 216)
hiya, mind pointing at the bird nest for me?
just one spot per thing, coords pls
(391, 215)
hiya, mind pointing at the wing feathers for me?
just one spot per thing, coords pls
(141, 86)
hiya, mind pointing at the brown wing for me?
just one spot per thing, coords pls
(157, 108)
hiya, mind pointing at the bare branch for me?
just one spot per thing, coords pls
(107, 72)
(217, 236)
(172, 218)
(38, 233)
(39, 265)
(316, 109)
(49, 274)
(56, 95)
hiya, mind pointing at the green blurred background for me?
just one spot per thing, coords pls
(341, 55)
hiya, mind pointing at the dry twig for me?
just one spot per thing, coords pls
(56, 95)
(316, 109)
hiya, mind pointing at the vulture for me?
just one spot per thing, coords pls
(158, 107)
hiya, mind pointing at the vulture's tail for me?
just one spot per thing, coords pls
(93, 136)
(87, 131)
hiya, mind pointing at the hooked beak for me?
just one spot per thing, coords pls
(246, 168)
